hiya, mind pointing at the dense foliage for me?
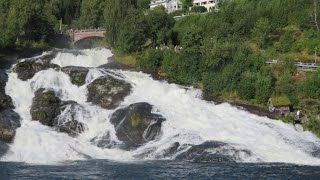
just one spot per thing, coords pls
(222, 52)
(225, 52)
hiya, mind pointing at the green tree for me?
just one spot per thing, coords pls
(186, 4)
(151, 60)
(159, 24)
(114, 13)
(247, 85)
(92, 13)
(198, 9)
(263, 88)
(132, 32)
(143, 4)
(261, 32)
(28, 21)
(311, 87)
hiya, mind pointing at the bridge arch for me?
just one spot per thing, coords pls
(77, 35)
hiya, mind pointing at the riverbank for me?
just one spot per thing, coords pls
(10, 57)
(128, 62)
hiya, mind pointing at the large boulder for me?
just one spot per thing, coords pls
(136, 124)
(103, 141)
(9, 120)
(9, 123)
(3, 148)
(108, 92)
(5, 100)
(77, 74)
(47, 108)
(67, 120)
(3, 80)
(28, 68)
(213, 151)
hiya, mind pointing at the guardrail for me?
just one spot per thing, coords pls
(300, 65)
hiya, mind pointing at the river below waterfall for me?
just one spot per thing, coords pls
(258, 146)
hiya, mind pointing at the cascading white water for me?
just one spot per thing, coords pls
(190, 120)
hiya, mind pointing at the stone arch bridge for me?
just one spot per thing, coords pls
(77, 35)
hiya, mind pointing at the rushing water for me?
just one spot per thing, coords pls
(190, 120)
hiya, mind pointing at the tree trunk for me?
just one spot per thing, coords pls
(316, 14)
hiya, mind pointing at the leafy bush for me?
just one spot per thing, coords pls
(198, 9)
(150, 60)
(177, 13)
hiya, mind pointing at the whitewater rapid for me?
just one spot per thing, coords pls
(190, 120)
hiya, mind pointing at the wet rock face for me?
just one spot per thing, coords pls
(103, 141)
(47, 108)
(5, 100)
(3, 148)
(108, 92)
(9, 120)
(77, 74)
(213, 151)
(28, 68)
(171, 150)
(9, 123)
(67, 121)
(136, 124)
(3, 79)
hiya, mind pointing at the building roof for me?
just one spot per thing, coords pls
(280, 101)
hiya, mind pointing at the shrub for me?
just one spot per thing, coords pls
(150, 60)
(198, 9)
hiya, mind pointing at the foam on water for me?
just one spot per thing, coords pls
(84, 58)
(190, 120)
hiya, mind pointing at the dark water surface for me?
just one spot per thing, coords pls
(102, 169)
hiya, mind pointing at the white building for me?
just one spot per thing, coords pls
(211, 5)
(170, 5)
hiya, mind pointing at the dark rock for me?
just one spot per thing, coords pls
(103, 141)
(136, 125)
(29, 67)
(171, 150)
(213, 151)
(47, 109)
(3, 148)
(9, 123)
(3, 79)
(77, 74)
(67, 121)
(5, 102)
(108, 92)
(9, 120)
(73, 128)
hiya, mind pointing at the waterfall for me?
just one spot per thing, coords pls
(190, 120)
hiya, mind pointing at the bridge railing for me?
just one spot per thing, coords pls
(300, 65)
(74, 31)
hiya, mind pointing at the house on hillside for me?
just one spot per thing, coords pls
(211, 5)
(280, 105)
(170, 5)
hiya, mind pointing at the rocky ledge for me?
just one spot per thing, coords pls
(29, 67)
(108, 92)
(9, 120)
(77, 74)
(213, 151)
(47, 109)
(136, 125)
